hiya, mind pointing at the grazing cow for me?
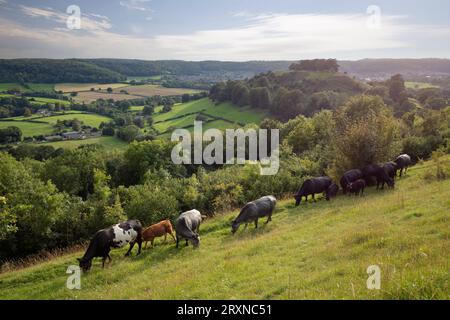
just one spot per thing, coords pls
(374, 170)
(252, 211)
(187, 227)
(357, 187)
(312, 186)
(332, 191)
(349, 177)
(391, 169)
(157, 230)
(115, 236)
(403, 161)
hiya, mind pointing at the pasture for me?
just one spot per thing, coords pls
(45, 124)
(91, 96)
(29, 129)
(108, 142)
(78, 87)
(36, 87)
(89, 119)
(150, 90)
(314, 251)
(226, 114)
(419, 85)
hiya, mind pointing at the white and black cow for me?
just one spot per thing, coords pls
(116, 236)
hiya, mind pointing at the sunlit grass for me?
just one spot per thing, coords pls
(314, 251)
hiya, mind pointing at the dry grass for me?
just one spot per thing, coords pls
(78, 87)
(154, 90)
(90, 96)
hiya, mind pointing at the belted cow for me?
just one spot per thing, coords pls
(116, 236)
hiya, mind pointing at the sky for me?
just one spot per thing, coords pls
(231, 30)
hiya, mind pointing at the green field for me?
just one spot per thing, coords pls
(93, 120)
(141, 78)
(136, 108)
(39, 100)
(29, 129)
(37, 87)
(108, 142)
(185, 114)
(419, 85)
(314, 251)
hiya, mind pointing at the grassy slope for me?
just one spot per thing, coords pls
(108, 142)
(312, 251)
(93, 120)
(40, 87)
(225, 110)
(29, 129)
(419, 85)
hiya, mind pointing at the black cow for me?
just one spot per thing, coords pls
(403, 161)
(391, 169)
(357, 187)
(332, 191)
(115, 236)
(312, 186)
(349, 177)
(374, 170)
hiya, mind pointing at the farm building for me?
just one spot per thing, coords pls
(73, 135)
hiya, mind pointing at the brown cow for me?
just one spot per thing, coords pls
(158, 230)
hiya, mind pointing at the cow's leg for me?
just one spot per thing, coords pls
(139, 242)
(145, 244)
(314, 199)
(177, 241)
(109, 258)
(171, 234)
(256, 223)
(103, 261)
(187, 242)
(269, 218)
(152, 242)
(131, 248)
(246, 225)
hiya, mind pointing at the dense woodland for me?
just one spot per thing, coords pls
(328, 122)
(114, 70)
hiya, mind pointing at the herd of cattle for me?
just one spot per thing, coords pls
(187, 225)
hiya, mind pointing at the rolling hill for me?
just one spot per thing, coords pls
(220, 116)
(315, 251)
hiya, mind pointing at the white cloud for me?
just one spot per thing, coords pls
(260, 37)
(89, 21)
(140, 5)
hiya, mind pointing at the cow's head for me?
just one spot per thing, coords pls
(84, 264)
(234, 226)
(391, 182)
(195, 240)
(298, 199)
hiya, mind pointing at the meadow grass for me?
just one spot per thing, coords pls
(313, 251)
(108, 142)
(228, 111)
(29, 129)
(93, 120)
(150, 90)
(419, 85)
(32, 87)
(39, 100)
(78, 87)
